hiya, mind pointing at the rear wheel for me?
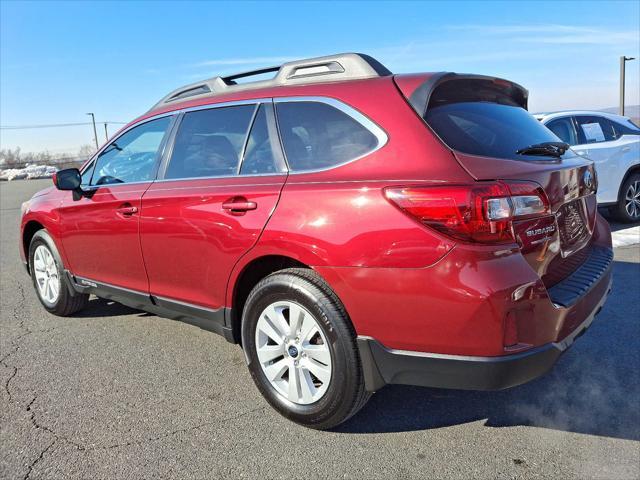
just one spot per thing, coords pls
(628, 208)
(301, 349)
(49, 279)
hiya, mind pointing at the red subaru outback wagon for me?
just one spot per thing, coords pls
(350, 228)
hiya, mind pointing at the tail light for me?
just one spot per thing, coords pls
(482, 212)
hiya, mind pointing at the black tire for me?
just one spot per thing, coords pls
(345, 394)
(68, 301)
(619, 210)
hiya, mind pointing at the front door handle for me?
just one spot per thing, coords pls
(239, 205)
(127, 210)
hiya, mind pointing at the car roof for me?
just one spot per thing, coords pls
(547, 116)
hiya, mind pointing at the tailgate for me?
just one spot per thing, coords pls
(557, 245)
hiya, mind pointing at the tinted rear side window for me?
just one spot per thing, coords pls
(209, 142)
(626, 128)
(316, 135)
(259, 156)
(594, 129)
(488, 129)
(564, 130)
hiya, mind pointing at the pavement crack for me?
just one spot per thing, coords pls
(177, 431)
(17, 314)
(6, 384)
(86, 448)
(35, 462)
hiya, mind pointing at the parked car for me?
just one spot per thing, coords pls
(348, 227)
(613, 143)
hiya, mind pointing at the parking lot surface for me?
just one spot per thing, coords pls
(117, 393)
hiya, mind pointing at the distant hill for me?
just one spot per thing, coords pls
(631, 111)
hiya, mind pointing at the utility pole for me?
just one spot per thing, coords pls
(95, 132)
(623, 60)
(106, 133)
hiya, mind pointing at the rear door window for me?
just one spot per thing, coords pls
(209, 142)
(564, 129)
(317, 135)
(593, 129)
(260, 156)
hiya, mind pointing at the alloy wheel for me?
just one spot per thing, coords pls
(293, 352)
(46, 273)
(632, 200)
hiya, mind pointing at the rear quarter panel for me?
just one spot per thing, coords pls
(339, 217)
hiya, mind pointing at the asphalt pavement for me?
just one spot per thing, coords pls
(117, 393)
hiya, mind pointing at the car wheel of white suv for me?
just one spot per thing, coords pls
(628, 207)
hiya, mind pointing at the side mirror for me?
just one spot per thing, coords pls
(67, 179)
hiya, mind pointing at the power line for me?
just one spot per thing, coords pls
(51, 125)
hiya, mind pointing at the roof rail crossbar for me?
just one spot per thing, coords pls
(344, 66)
(230, 79)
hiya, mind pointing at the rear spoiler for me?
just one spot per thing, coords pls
(420, 95)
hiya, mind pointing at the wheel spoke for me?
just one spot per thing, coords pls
(308, 330)
(294, 383)
(308, 389)
(277, 320)
(265, 326)
(54, 287)
(318, 352)
(322, 372)
(38, 262)
(267, 353)
(296, 317)
(276, 370)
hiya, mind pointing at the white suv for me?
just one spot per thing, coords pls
(613, 143)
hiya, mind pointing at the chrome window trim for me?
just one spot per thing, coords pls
(366, 122)
(381, 136)
(164, 180)
(254, 101)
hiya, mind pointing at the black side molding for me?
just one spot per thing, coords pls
(212, 320)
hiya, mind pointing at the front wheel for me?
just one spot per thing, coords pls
(49, 280)
(301, 349)
(628, 208)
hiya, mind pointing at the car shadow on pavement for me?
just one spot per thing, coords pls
(594, 388)
(101, 307)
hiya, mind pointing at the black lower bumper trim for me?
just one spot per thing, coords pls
(382, 366)
(453, 371)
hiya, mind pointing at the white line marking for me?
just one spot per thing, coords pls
(626, 237)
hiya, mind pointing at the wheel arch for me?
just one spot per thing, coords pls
(29, 230)
(251, 273)
(630, 171)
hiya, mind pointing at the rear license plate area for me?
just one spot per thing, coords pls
(573, 227)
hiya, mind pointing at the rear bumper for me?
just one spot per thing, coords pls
(384, 366)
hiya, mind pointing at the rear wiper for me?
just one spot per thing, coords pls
(554, 149)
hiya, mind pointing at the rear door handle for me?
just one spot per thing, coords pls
(239, 205)
(127, 211)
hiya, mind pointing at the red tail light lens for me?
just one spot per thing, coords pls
(482, 212)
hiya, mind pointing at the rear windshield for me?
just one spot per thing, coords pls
(488, 129)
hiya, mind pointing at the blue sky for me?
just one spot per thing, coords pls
(61, 60)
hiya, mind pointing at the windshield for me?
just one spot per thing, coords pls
(489, 129)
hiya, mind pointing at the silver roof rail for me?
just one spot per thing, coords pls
(343, 66)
